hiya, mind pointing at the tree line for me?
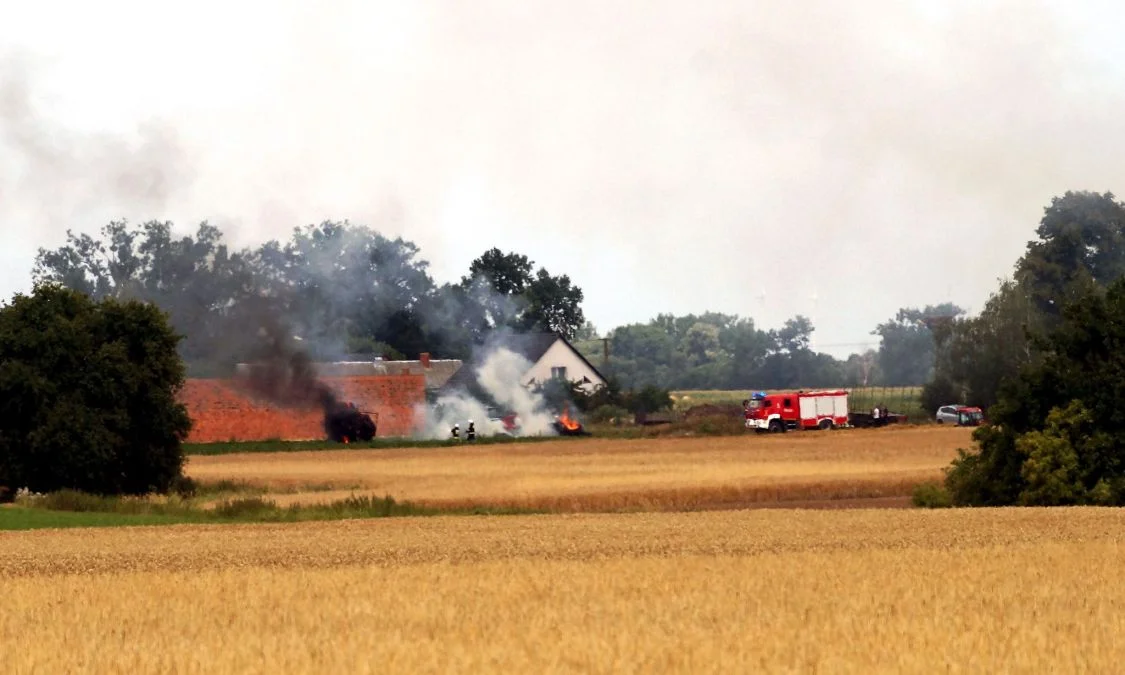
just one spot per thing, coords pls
(340, 288)
(345, 289)
(724, 351)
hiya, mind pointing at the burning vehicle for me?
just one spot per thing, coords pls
(344, 423)
(509, 424)
(565, 425)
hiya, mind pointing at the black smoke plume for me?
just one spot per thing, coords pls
(284, 373)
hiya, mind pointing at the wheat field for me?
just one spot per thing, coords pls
(613, 474)
(1019, 590)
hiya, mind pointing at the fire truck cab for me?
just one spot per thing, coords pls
(781, 412)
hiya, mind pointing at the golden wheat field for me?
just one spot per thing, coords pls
(1018, 590)
(602, 474)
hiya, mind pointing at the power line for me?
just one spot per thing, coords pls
(852, 344)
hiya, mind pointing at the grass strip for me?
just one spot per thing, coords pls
(71, 508)
(31, 518)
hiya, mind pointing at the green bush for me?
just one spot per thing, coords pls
(1050, 466)
(1059, 465)
(73, 500)
(932, 496)
(608, 413)
(249, 508)
(88, 395)
(649, 399)
(84, 502)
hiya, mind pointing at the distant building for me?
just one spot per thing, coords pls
(551, 357)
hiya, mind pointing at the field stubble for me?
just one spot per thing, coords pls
(846, 591)
(617, 474)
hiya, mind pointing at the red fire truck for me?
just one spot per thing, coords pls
(797, 410)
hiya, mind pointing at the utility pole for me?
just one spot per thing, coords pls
(605, 353)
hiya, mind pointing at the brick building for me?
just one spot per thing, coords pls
(226, 410)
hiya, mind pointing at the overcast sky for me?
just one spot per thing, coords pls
(839, 160)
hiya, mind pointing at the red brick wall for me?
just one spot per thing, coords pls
(221, 410)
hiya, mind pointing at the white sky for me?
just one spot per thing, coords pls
(733, 156)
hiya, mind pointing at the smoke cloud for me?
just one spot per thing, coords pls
(63, 178)
(736, 156)
(499, 376)
(283, 373)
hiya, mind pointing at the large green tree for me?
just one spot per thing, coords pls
(339, 283)
(203, 286)
(1080, 247)
(1081, 241)
(554, 304)
(506, 273)
(88, 394)
(508, 294)
(1058, 427)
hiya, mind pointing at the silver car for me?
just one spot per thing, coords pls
(947, 414)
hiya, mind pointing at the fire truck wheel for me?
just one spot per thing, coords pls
(776, 427)
(825, 424)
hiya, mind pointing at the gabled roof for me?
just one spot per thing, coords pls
(531, 346)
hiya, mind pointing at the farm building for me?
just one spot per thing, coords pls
(551, 357)
(226, 409)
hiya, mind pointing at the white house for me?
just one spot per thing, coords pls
(562, 361)
(551, 356)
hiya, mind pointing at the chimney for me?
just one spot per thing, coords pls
(424, 357)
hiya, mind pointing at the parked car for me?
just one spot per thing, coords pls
(960, 415)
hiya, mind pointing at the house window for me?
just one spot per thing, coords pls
(558, 372)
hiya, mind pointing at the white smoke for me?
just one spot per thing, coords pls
(499, 376)
(457, 409)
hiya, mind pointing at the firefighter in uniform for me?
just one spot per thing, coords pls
(456, 433)
(471, 432)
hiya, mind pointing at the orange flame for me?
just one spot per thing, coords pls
(567, 421)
